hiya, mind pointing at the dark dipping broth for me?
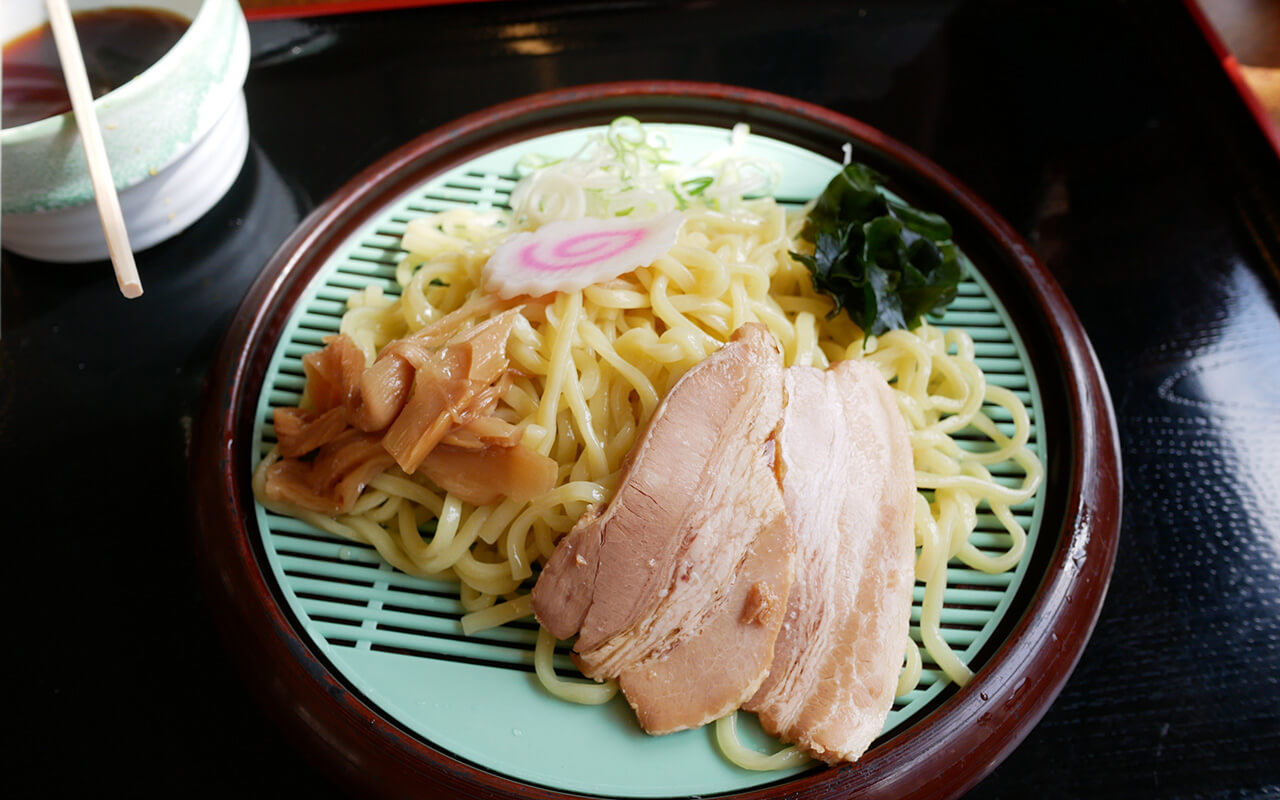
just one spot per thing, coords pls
(118, 45)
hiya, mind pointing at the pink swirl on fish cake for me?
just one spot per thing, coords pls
(580, 251)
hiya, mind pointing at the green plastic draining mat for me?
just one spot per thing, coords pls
(398, 640)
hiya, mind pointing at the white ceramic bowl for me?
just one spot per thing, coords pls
(176, 137)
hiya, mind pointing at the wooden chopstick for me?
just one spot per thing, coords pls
(104, 189)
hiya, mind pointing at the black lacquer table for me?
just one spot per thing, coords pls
(1104, 132)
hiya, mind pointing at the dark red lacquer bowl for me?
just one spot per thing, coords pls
(938, 756)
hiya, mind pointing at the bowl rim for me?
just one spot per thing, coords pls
(941, 756)
(126, 92)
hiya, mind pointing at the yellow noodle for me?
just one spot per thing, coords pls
(590, 694)
(496, 615)
(473, 599)
(931, 628)
(748, 758)
(909, 678)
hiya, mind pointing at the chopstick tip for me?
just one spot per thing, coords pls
(131, 289)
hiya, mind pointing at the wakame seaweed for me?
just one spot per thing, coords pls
(882, 261)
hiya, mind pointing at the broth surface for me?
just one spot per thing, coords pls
(118, 45)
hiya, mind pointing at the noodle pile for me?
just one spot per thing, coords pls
(591, 366)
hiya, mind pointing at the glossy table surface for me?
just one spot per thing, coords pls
(1104, 132)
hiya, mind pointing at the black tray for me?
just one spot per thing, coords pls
(1106, 133)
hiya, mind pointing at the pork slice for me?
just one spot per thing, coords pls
(850, 501)
(693, 555)
(682, 688)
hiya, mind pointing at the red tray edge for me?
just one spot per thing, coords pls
(347, 7)
(1232, 67)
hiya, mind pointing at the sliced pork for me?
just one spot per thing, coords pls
(678, 586)
(849, 496)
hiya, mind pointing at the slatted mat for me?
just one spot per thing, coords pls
(397, 639)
